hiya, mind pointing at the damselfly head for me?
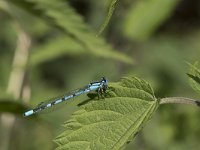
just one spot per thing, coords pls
(105, 81)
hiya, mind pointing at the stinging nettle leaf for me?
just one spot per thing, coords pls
(111, 122)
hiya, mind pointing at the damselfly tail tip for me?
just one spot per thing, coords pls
(28, 113)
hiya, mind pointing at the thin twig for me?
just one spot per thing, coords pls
(180, 100)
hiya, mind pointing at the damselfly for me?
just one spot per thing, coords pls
(99, 86)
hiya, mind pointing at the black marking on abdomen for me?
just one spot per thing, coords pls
(53, 103)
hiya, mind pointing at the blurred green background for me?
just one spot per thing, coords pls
(46, 49)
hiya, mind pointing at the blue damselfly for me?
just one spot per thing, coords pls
(99, 86)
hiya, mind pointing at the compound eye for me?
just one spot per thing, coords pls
(104, 80)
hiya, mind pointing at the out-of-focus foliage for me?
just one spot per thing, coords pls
(195, 77)
(59, 14)
(11, 107)
(65, 54)
(108, 17)
(145, 16)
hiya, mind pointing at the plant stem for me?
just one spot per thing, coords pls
(16, 84)
(180, 100)
(108, 17)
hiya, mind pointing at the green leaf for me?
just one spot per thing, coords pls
(60, 14)
(194, 75)
(111, 122)
(146, 16)
(108, 17)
